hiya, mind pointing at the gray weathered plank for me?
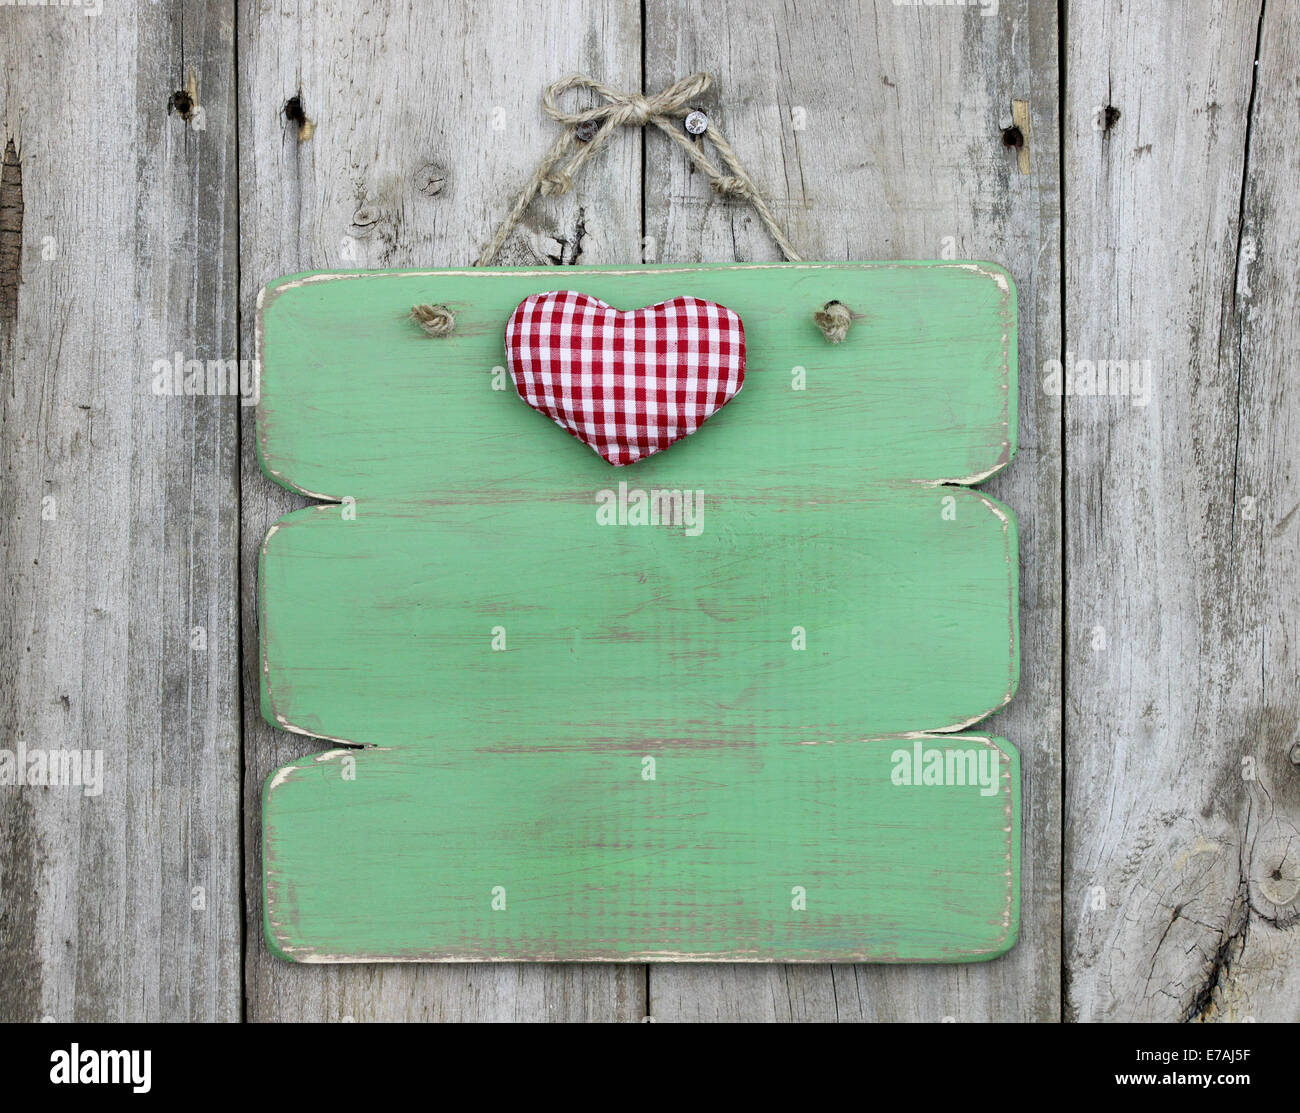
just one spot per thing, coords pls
(1182, 533)
(101, 914)
(878, 134)
(1182, 787)
(401, 96)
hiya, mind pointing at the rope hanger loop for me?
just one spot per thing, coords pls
(570, 152)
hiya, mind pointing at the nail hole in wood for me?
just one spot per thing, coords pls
(296, 113)
(181, 101)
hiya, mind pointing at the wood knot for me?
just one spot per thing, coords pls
(430, 179)
(1275, 874)
(834, 319)
(436, 320)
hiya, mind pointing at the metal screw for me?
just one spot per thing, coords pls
(586, 131)
(697, 123)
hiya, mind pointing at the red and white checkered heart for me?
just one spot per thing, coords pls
(627, 384)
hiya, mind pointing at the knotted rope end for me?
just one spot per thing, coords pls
(436, 320)
(834, 319)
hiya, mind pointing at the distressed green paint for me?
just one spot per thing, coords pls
(704, 862)
(824, 509)
(622, 633)
(357, 401)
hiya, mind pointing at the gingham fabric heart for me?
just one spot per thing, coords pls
(627, 384)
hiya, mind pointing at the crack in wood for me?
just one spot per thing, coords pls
(11, 236)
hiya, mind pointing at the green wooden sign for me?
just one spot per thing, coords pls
(703, 707)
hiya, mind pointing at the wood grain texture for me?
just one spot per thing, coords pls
(896, 153)
(562, 851)
(515, 658)
(119, 529)
(901, 156)
(1183, 794)
(425, 121)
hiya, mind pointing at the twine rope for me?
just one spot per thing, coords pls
(436, 320)
(578, 143)
(568, 154)
(834, 319)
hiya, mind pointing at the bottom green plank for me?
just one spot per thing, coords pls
(886, 850)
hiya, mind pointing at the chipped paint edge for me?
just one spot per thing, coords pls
(305, 954)
(277, 940)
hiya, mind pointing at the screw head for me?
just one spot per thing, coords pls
(696, 122)
(586, 131)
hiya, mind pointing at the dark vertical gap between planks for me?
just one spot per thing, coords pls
(1062, 23)
(239, 529)
(641, 133)
(1241, 221)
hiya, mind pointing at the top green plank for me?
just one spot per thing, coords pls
(357, 402)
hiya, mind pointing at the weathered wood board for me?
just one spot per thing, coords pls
(515, 664)
(1183, 803)
(118, 537)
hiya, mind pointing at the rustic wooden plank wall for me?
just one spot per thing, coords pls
(1157, 716)
(1183, 786)
(119, 619)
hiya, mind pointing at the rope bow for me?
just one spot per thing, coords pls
(569, 153)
